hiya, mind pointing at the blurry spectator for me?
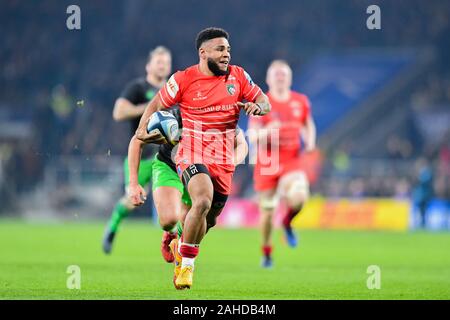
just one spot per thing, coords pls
(6, 151)
(444, 156)
(398, 148)
(61, 103)
(341, 161)
(442, 187)
(37, 52)
(357, 188)
(402, 189)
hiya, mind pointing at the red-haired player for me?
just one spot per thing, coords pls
(278, 172)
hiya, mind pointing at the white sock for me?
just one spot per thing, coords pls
(187, 262)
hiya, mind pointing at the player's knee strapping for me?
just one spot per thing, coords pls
(298, 190)
(218, 203)
(192, 171)
(268, 203)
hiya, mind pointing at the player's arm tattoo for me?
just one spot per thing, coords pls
(265, 107)
(262, 101)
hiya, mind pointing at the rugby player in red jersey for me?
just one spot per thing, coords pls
(278, 173)
(210, 95)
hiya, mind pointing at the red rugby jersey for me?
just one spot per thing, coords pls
(292, 115)
(209, 110)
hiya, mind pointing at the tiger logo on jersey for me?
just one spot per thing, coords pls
(231, 89)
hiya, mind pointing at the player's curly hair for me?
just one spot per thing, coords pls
(208, 34)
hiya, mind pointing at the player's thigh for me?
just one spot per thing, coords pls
(145, 171)
(197, 179)
(167, 201)
(167, 189)
(164, 176)
(200, 187)
(186, 198)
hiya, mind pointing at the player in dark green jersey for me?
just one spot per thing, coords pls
(130, 107)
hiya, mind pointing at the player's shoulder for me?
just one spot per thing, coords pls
(191, 70)
(139, 81)
(299, 96)
(185, 74)
(240, 73)
(236, 70)
(133, 87)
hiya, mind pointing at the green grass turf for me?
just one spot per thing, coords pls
(327, 264)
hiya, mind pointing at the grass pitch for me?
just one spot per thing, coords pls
(327, 264)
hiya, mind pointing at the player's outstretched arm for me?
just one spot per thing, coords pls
(141, 133)
(135, 192)
(309, 134)
(240, 148)
(124, 110)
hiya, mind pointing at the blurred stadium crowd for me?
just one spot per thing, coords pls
(59, 86)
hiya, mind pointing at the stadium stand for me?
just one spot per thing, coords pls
(44, 74)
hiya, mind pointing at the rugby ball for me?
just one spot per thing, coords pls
(166, 124)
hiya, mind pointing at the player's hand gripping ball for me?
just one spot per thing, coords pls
(163, 124)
